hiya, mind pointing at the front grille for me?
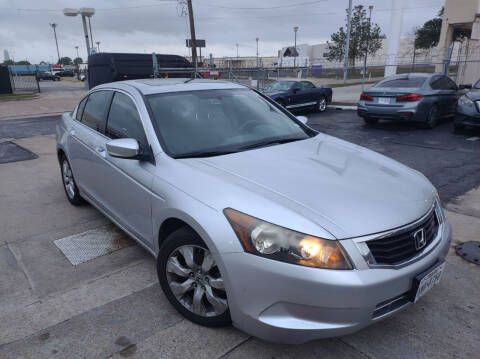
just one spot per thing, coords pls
(401, 247)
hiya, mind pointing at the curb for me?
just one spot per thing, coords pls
(342, 107)
(33, 115)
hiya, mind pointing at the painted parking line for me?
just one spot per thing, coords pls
(473, 138)
(83, 247)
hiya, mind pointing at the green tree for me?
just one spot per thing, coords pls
(65, 61)
(8, 62)
(23, 62)
(364, 37)
(78, 60)
(428, 35)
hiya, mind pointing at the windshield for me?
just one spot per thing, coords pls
(279, 86)
(412, 82)
(214, 122)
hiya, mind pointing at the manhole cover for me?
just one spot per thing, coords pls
(11, 152)
(469, 251)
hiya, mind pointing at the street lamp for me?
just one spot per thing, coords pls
(76, 48)
(84, 12)
(370, 8)
(54, 27)
(98, 45)
(237, 50)
(295, 29)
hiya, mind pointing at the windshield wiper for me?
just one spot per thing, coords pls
(200, 154)
(276, 141)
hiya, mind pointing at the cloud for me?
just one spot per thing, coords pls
(154, 25)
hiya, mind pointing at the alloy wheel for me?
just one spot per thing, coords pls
(195, 281)
(68, 181)
(322, 104)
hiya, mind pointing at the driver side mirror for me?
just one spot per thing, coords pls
(465, 86)
(123, 148)
(302, 119)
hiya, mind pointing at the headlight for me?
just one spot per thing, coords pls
(271, 241)
(465, 101)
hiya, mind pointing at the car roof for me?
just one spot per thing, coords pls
(413, 74)
(154, 86)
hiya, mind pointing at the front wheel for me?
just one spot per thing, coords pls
(191, 279)
(322, 104)
(370, 121)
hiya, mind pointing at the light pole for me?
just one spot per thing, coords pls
(347, 43)
(295, 29)
(84, 12)
(98, 45)
(257, 49)
(54, 27)
(370, 8)
(237, 50)
(76, 48)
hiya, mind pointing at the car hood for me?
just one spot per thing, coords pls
(474, 94)
(346, 189)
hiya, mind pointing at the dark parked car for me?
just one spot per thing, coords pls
(295, 95)
(468, 108)
(424, 98)
(43, 75)
(65, 73)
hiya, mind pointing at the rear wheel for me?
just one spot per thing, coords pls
(432, 118)
(322, 104)
(69, 184)
(370, 121)
(191, 279)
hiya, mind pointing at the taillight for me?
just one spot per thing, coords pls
(366, 97)
(413, 97)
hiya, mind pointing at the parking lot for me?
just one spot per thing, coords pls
(112, 306)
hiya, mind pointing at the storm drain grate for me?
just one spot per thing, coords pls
(11, 152)
(470, 251)
(83, 247)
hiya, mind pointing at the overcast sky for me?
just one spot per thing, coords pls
(155, 25)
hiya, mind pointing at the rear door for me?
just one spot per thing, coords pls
(125, 185)
(83, 140)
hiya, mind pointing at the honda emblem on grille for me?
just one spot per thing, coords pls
(420, 240)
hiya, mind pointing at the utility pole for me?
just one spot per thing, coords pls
(98, 45)
(257, 50)
(76, 48)
(347, 43)
(54, 27)
(192, 34)
(370, 8)
(295, 29)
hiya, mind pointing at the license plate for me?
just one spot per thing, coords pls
(384, 100)
(426, 281)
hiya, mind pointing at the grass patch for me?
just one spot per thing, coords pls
(17, 96)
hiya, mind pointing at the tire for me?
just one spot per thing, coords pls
(322, 104)
(458, 127)
(180, 263)
(432, 118)
(370, 121)
(69, 185)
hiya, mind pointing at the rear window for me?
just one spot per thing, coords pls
(413, 82)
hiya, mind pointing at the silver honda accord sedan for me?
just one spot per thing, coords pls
(255, 218)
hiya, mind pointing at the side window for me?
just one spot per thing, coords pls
(449, 84)
(436, 83)
(94, 110)
(124, 121)
(306, 85)
(80, 108)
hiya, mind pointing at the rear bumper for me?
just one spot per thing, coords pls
(410, 112)
(292, 304)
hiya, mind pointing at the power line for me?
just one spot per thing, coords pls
(262, 8)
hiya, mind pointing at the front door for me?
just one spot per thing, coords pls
(126, 183)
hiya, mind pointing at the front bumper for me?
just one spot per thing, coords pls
(467, 116)
(293, 304)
